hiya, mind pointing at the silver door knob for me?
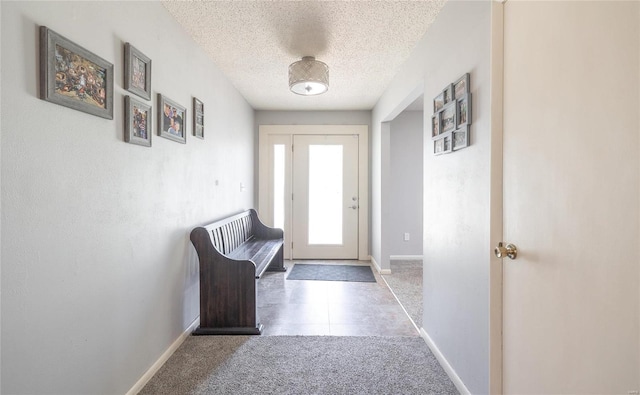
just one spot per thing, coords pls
(355, 207)
(510, 251)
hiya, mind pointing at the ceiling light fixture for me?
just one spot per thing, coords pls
(308, 77)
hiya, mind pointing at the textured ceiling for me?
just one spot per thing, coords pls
(253, 42)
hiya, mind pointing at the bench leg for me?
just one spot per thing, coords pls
(229, 331)
(277, 265)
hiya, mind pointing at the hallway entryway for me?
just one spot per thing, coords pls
(336, 308)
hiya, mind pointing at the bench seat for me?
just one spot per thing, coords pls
(260, 252)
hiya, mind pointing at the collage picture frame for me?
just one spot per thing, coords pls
(451, 120)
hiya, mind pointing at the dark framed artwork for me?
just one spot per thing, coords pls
(171, 120)
(137, 122)
(137, 72)
(198, 118)
(73, 77)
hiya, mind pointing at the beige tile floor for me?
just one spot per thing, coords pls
(305, 307)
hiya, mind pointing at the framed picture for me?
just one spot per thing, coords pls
(198, 118)
(438, 102)
(438, 147)
(435, 125)
(137, 72)
(448, 118)
(442, 145)
(463, 111)
(73, 77)
(447, 144)
(171, 120)
(447, 94)
(461, 138)
(461, 87)
(137, 122)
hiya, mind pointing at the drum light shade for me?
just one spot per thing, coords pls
(308, 77)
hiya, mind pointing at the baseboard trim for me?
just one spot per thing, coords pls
(444, 363)
(163, 358)
(378, 269)
(405, 257)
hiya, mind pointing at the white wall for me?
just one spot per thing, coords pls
(406, 175)
(98, 275)
(456, 190)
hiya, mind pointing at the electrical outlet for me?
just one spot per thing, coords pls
(407, 237)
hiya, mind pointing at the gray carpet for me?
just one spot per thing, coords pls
(301, 365)
(332, 273)
(405, 281)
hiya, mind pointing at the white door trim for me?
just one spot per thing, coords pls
(265, 131)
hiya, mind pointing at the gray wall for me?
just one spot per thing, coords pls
(406, 184)
(457, 194)
(98, 275)
(312, 118)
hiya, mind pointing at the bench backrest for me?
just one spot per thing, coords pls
(227, 234)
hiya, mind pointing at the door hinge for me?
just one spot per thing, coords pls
(292, 245)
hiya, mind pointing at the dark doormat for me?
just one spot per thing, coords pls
(332, 273)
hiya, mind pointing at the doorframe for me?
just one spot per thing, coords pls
(264, 185)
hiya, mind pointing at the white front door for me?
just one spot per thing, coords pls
(325, 197)
(571, 194)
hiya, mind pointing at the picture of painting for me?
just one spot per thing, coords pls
(73, 77)
(80, 79)
(435, 125)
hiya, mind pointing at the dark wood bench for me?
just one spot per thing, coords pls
(234, 252)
